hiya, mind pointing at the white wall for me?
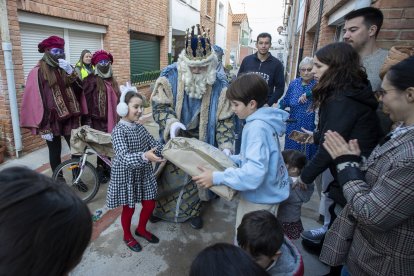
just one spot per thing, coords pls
(184, 14)
(221, 23)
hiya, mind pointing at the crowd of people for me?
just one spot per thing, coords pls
(360, 163)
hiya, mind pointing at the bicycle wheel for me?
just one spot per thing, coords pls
(87, 185)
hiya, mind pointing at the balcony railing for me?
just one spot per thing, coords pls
(145, 78)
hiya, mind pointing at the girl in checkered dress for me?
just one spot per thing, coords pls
(132, 177)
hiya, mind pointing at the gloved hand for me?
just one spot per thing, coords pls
(226, 152)
(175, 127)
(47, 137)
(65, 65)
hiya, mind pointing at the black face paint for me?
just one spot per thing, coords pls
(103, 68)
(58, 56)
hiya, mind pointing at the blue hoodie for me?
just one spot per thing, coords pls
(262, 176)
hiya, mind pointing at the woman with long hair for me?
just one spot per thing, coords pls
(53, 101)
(102, 96)
(346, 105)
(84, 66)
(373, 235)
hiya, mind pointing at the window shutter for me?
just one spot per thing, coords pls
(145, 53)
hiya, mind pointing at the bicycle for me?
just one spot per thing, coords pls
(80, 174)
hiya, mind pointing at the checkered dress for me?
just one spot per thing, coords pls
(132, 178)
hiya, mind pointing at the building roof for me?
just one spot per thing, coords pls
(239, 17)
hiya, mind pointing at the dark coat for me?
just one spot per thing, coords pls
(352, 114)
(271, 70)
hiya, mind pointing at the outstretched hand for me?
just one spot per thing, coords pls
(205, 179)
(151, 156)
(336, 145)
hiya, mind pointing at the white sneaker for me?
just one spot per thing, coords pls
(315, 235)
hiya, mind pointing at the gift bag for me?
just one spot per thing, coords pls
(190, 153)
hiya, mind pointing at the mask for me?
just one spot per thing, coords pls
(103, 68)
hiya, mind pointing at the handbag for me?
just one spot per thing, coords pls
(189, 153)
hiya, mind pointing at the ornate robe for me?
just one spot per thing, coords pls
(209, 119)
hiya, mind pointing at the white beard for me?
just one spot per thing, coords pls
(195, 85)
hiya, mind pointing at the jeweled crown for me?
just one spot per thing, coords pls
(197, 47)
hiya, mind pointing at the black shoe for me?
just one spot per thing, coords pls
(154, 219)
(312, 247)
(102, 178)
(153, 238)
(81, 187)
(196, 222)
(133, 245)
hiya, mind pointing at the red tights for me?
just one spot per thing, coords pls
(126, 217)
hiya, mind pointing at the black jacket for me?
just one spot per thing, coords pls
(271, 70)
(352, 114)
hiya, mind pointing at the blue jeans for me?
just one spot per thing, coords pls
(344, 271)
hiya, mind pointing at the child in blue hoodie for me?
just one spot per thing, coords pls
(261, 176)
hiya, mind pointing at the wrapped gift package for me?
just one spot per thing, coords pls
(189, 153)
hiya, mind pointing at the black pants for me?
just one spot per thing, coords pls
(55, 150)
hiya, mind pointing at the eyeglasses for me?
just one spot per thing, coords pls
(303, 70)
(103, 62)
(57, 51)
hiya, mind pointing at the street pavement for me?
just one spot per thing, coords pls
(179, 243)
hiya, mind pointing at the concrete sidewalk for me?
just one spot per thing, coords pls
(179, 243)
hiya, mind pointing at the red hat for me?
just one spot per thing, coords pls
(101, 55)
(51, 42)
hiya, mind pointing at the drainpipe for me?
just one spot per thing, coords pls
(11, 85)
(302, 38)
(318, 27)
(170, 31)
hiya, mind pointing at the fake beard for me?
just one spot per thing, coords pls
(196, 84)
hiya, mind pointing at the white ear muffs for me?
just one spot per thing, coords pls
(122, 107)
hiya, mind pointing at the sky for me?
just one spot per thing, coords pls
(264, 15)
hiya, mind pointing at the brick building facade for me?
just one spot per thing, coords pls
(397, 29)
(119, 18)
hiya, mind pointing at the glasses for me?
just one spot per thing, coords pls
(57, 51)
(103, 62)
(303, 70)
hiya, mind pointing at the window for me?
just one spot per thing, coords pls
(221, 14)
(75, 42)
(339, 35)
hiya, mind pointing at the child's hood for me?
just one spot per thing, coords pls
(289, 263)
(275, 117)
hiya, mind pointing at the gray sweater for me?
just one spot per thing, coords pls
(373, 64)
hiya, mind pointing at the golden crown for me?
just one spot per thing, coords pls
(197, 47)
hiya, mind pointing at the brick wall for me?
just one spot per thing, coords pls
(313, 14)
(397, 29)
(149, 17)
(234, 43)
(208, 20)
(398, 26)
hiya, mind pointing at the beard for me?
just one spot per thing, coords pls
(196, 84)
